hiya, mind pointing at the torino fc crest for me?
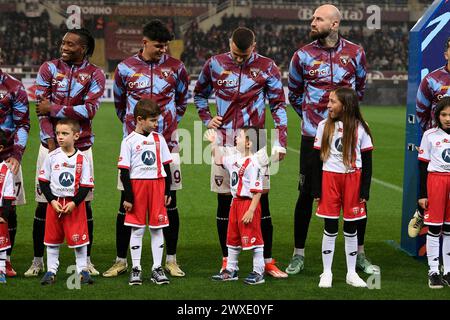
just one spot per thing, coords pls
(166, 72)
(344, 60)
(254, 72)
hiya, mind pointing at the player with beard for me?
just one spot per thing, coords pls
(327, 63)
(66, 88)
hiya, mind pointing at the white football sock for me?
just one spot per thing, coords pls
(299, 251)
(38, 260)
(433, 252)
(81, 258)
(361, 249)
(3, 261)
(446, 251)
(157, 247)
(171, 258)
(351, 248)
(52, 258)
(136, 246)
(258, 260)
(232, 261)
(328, 243)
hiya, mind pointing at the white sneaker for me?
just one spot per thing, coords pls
(354, 280)
(326, 280)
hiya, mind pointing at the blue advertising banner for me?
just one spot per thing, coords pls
(426, 53)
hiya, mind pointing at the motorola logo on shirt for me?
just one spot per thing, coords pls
(338, 144)
(66, 179)
(234, 179)
(446, 155)
(148, 158)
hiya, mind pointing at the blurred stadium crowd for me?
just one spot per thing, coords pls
(28, 41)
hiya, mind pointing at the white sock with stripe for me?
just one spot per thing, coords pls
(351, 251)
(3, 261)
(446, 251)
(52, 258)
(81, 258)
(258, 260)
(328, 244)
(232, 261)
(433, 252)
(136, 246)
(157, 247)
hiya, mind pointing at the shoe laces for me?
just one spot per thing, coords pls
(160, 272)
(418, 222)
(135, 272)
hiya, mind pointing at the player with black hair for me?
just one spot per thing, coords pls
(155, 75)
(68, 87)
(15, 125)
(241, 80)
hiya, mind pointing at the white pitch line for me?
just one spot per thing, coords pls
(378, 181)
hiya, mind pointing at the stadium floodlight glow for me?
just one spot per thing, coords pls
(426, 47)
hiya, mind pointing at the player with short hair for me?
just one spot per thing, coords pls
(65, 179)
(434, 156)
(152, 74)
(241, 80)
(145, 174)
(327, 63)
(7, 196)
(433, 87)
(15, 124)
(66, 88)
(246, 185)
(343, 143)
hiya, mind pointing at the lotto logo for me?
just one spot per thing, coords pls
(253, 240)
(120, 159)
(420, 151)
(41, 172)
(84, 237)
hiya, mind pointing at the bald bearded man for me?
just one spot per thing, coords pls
(327, 63)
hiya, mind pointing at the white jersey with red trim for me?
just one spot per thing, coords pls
(6, 183)
(435, 149)
(144, 156)
(245, 175)
(66, 174)
(335, 162)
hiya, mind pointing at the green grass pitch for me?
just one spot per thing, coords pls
(402, 277)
